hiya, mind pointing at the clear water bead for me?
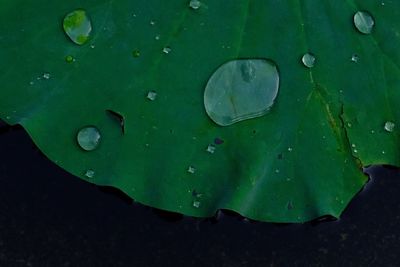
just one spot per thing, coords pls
(77, 26)
(69, 59)
(389, 126)
(240, 90)
(89, 138)
(308, 60)
(364, 22)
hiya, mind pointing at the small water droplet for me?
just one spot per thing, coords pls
(152, 95)
(92, 46)
(167, 50)
(389, 126)
(355, 58)
(241, 90)
(290, 149)
(194, 4)
(136, 53)
(90, 173)
(46, 75)
(290, 205)
(353, 145)
(191, 170)
(308, 60)
(277, 171)
(157, 37)
(364, 22)
(152, 22)
(196, 204)
(77, 26)
(89, 138)
(211, 149)
(355, 151)
(69, 59)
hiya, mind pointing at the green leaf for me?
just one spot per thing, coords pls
(301, 160)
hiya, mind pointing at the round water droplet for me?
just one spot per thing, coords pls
(69, 59)
(194, 4)
(136, 53)
(77, 26)
(151, 95)
(364, 22)
(89, 138)
(389, 126)
(240, 90)
(308, 60)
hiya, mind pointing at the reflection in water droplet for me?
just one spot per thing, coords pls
(89, 138)
(77, 26)
(211, 149)
(240, 90)
(191, 170)
(364, 22)
(194, 4)
(389, 126)
(308, 60)
(152, 95)
(89, 173)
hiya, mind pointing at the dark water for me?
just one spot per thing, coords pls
(50, 218)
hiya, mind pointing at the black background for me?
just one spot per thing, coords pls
(51, 218)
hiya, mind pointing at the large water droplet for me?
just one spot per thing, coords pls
(89, 138)
(364, 22)
(240, 90)
(77, 26)
(308, 60)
